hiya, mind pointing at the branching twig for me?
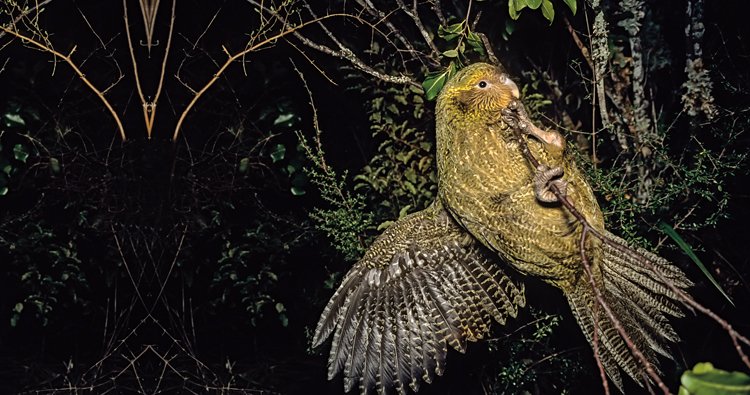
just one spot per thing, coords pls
(79, 73)
(35, 8)
(149, 107)
(581, 47)
(232, 58)
(413, 13)
(587, 228)
(343, 52)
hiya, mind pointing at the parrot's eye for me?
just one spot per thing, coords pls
(482, 84)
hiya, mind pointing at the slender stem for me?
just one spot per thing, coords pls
(79, 73)
(238, 55)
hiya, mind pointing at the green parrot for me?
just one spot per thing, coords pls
(436, 277)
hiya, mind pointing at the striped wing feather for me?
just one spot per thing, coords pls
(424, 284)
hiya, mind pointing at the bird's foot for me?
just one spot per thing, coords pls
(515, 116)
(544, 179)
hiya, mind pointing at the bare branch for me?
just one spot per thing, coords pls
(413, 13)
(81, 75)
(343, 52)
(149, 107)
(35, 8)
(239, 55)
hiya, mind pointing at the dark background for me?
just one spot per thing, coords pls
(230, 269)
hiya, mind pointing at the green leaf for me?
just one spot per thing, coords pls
(473, 39)
(384, 225)
(278, 153)
(512, 11)
(245, 162)
(475, 42)
(548, 10)
(410, 187)
(297, 191)
(20, 153)
(666, 228)
(18, 307)
(284, 119)
(404, 211)
(572, 4)
(450, 32)
(534, 4)
(451, 53)
(3, 191)
(510, 27)
(54, 165)
(449, 37)
(15, 118)
(521, 4)
(434, 83)
(704, 379)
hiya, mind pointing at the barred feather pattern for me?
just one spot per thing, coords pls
(425, 284)
(638, 296)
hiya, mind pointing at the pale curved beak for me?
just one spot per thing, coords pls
(513, 89)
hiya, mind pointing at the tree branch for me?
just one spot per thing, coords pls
(79, 73)
(239, 55)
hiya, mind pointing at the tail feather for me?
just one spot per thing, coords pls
(628, 286)
(633, 283)
(583, 312)
(658, 267)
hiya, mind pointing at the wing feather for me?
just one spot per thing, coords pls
(424, 284)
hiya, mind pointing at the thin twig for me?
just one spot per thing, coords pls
(577, 40)
(343, 52)
(413, 13)
(79, 73)
(255, 47)
(35, 8)
(149, 107)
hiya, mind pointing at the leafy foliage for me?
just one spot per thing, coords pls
(527, 359)
(49, 277)
(401, 177)
(249, 268)
(346, 220)
(547, 8)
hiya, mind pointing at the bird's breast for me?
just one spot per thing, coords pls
(488, 184)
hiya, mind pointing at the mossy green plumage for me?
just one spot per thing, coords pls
(487, 184)
(433, 278)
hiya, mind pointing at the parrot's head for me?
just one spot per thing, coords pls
(479, 89)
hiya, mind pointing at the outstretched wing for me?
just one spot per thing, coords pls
(423, 284)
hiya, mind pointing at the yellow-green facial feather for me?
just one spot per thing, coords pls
(480, 88)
